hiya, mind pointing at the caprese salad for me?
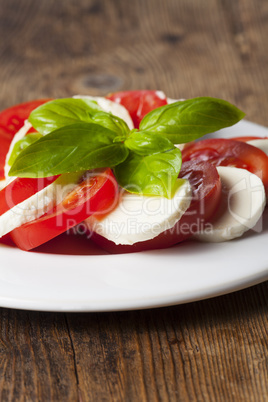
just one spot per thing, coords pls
(129, 171)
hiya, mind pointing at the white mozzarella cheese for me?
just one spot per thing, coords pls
(242, 205)
(170, 100)
(3, 184)
(137, 218)
(17, 137)
(110, 107)
(180, 146)
(261, 144)
(161, 94)
(39, 203)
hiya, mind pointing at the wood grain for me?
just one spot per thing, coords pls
(208, 350)
(213, 350)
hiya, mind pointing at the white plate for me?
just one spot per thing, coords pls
(50, 281)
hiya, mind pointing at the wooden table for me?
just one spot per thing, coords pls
(213, 350)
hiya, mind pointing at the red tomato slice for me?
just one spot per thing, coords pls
(138, 103)
(94, 194)
(20, 189)
(249, 138)
(11, 120)
(7, 240)
(225, 152)
(206, 188)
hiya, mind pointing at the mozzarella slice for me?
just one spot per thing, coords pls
(170, 100)
(161, 94)
(39, 203)
(17, 137)
(3, 184)
(241, 207)
(138, 218)
(261, 144)
(110, 107)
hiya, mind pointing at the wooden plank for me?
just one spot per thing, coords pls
(36, 357)
(209, 350)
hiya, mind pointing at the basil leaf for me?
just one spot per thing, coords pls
(150, 175)
(80, 146)
(188, 120)
(62, 112)
(111, 122)
(22, 144)
(144, 143)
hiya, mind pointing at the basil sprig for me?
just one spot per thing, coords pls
(78, 135)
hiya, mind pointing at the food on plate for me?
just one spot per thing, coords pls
(130, 169)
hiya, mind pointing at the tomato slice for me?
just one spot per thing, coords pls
(249, 138)
(226, 152)
(206, 194)
(20, 189)
(94, 194)
(139, 103)
(11, 120)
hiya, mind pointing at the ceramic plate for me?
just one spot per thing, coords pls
(86, 279)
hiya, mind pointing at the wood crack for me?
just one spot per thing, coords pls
(74, 354)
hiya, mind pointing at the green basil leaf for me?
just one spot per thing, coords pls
(150, 175)
(111, 122)
(144, 143)
(22, 144)
(80, 146)
(62, 112)
(188, 120)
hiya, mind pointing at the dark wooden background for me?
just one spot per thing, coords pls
(213, 350)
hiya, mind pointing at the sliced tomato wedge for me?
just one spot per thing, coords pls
(206, 194)
(139, 103)
(95, 194)
(226, 152)
(11, 120)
